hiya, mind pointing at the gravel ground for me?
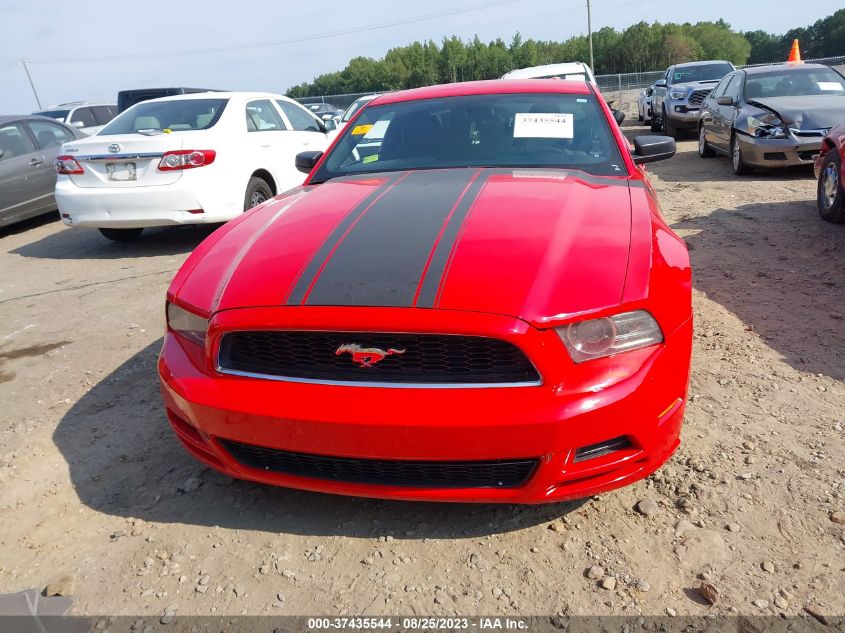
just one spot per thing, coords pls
(98, 496)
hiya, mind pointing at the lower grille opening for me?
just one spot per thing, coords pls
(602, 448)
(808, 155)
(774, 156)
(423, 474)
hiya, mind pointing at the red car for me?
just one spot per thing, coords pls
(830, 172)
(473, 297)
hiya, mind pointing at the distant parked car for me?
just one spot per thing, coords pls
(28, 145)
(576, 71)
(644, 105)
(572, 71)
(189, 159)
(771, 116)
(326, 111)
(127, 98)
(85, 116)
(679, 94)
(830, 172)
(350, 112)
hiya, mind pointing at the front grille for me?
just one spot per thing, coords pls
(698, 96)
(430, 359)
(422, 474)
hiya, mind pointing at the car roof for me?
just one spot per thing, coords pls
(488, 87)
(757, 70)
(216, 95)
(8, 118)
(532, 71)
(701, 63)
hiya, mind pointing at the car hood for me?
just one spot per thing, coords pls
(811, 112)
(695, 85)
(534, 244)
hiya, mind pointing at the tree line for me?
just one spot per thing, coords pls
(640, 47)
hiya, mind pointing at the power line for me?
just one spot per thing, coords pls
(479, 6)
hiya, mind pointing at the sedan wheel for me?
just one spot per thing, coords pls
(830, 193)
(257, 192)
(704, 149)
(740, 168)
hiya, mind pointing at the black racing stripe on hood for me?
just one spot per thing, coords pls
(446, 243)
(306, 277)
(381, 260)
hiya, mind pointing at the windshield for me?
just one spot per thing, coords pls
(703, 72)
(175, 116)
(502, 130)
(59, 115)
(356, 105)
(794, 83)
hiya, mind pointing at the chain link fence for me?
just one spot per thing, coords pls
(621, 89)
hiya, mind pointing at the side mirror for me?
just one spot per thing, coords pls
(619, 116)
(650, 149)
(660, 83)
(727, 101)
(305, 161)
(329, 125)
(78, 124)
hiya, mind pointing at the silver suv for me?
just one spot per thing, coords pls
(679, 94)
(82, 115)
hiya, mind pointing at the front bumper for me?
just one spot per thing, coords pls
(682, 115)
(778, 152)
(640, 395)
(137, 207)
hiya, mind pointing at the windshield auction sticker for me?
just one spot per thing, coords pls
(361, 129)
(543, 125)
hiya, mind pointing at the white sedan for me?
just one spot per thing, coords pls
(644, 105)
(188, 159)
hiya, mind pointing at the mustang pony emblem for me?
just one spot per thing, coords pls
(366, 356)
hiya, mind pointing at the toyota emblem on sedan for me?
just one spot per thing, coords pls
(114, 148)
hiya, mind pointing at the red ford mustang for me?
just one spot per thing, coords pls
(473, 297)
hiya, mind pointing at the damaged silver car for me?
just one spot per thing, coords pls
(771, 116)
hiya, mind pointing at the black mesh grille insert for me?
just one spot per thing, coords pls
(602, 448)
(424, 474)
(410, 358)
(698, 96)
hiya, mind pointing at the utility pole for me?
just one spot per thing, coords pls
(589, 37)
(32, 85)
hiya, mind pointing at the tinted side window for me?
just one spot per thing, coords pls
(103, 114)
(13, 141)
(732, 89)
(261, 116)
(48, 135)
(298, 117)
(86, 115)
(719, 90)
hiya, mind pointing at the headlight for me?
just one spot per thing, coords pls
(767, 125)
(596, 338)
(187, 324)
(678, 94)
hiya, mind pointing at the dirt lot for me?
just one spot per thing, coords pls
(95, 487)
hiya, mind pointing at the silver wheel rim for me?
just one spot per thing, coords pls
(257, 198)
(830, 185)
(735, 155)
(702, 143)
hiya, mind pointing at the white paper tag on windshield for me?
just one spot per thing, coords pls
(543, 125)
(829, 85)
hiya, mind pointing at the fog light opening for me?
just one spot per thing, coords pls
(602, 448)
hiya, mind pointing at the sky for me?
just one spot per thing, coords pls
(85, 50)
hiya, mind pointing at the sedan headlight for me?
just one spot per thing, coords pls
(678, 94)
(767, 125)
(606, 336)
(187, 324)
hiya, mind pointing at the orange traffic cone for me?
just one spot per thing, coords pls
(794, 54)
